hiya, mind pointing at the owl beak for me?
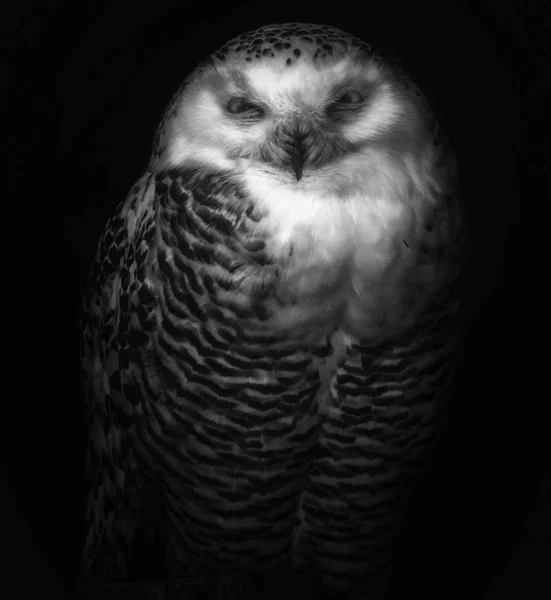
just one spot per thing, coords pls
(298, 154)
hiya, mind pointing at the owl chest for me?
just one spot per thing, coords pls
(339, 274)
(339, 244)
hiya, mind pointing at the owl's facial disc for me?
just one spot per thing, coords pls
(293, 120)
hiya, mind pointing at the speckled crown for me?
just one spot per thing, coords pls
(289, 41)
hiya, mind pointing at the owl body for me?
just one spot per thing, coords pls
(271, 320)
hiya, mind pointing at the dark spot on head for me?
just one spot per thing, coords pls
(296, 52)
(248, 59)
(272, 40)
(306, 38)
(287, 45)
(266, 51)
(278, 46)
(289, 62)
(327, 48)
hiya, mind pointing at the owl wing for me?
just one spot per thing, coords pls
(110, 336)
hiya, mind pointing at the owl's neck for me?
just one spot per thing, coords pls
(332, 215)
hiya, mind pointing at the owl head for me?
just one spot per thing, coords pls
(298, 103)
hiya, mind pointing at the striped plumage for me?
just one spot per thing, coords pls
(273, 400)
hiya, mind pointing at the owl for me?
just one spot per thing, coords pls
(272, 320)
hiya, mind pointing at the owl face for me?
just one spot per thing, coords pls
(282, 106)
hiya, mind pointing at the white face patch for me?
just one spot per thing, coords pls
(201, 132)
(381, 114)
(281, 86)
(372, 74)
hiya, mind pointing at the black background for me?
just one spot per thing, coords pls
(87, 83)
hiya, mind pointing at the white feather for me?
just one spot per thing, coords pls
(382, 113)
(313, 218)
(282, 86)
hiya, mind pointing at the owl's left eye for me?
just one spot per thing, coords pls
(350, 97)
(242, 106)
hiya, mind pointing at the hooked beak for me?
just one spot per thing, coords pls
(297, 153)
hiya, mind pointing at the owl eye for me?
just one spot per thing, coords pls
(240, 106)
(350, 97)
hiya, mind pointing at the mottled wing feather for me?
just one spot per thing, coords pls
(110, 336)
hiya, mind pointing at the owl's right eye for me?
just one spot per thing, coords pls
(242, 106)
